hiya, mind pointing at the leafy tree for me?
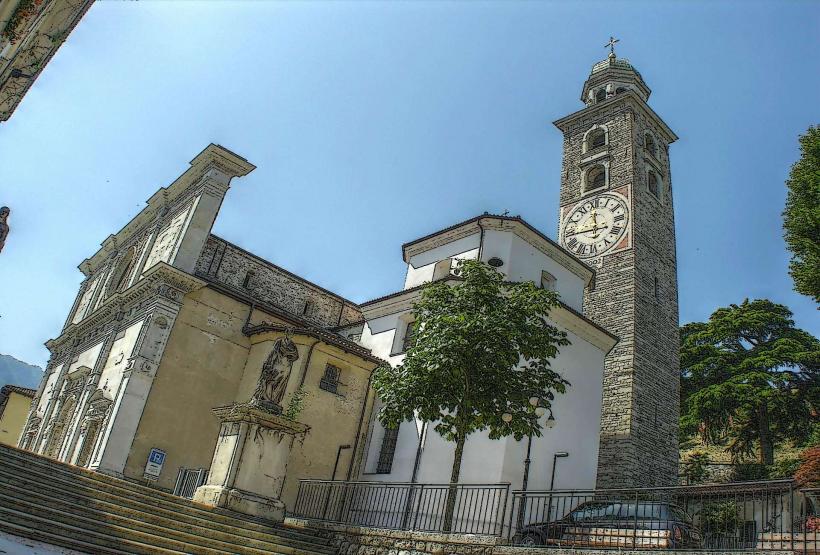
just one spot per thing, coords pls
(481, 348)
(801, 218)
(749, 376)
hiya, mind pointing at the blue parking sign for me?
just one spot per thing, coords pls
(157, 456)
(153, 467)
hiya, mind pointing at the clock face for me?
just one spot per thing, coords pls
(596, 225)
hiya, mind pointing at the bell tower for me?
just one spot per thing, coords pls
(616, 215)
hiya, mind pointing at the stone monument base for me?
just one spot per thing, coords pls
(249, 433)
(241, 501)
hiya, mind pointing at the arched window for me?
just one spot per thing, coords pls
(596, 139)
(653, 183)
(649, 144)
(596, 178)
(600, 95)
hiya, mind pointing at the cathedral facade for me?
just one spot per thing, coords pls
(183, 351)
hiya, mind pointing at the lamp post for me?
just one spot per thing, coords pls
(555, 457)
(333, 477)
(539, 411)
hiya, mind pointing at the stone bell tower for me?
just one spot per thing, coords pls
(616, 215)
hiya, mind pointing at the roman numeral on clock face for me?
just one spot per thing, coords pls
(619, 218)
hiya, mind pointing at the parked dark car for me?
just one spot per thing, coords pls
(651, 525)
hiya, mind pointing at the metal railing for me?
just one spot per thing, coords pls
(478, 508)
(769, 515)
(188, 479)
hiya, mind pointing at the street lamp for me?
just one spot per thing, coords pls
(333, 478)
(539, 410)
(555, 457)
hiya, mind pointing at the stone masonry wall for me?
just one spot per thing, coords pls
(224, 263)
(360, 540)
(640, 398)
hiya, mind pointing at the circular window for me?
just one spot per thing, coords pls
(495, 262)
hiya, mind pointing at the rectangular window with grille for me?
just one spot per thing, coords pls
(330, 380)
(388, 450)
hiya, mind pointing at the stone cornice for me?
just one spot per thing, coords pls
(162, 280)
(211, 169)
(636, 102)
(253, 415)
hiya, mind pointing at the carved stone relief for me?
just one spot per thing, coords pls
(167, 240)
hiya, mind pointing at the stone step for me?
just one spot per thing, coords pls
(96, 540)
(58, 540)
(73, 507)
(62, 493)
(154, 496)
(139, 497)
(200, 537)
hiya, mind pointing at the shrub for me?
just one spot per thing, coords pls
(783, 469)
(808, 475)
(695, 468)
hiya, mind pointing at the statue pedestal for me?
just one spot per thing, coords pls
(250, 461)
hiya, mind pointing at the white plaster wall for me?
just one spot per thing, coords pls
(576, 431)
(421, 266)
(524, 262)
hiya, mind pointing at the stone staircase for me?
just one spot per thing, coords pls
(72, 507)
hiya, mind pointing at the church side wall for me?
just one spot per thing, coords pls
(200, 369)
(333, 419)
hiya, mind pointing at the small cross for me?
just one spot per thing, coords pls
(611, 44)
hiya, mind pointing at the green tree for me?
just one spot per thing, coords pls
(801, 218)
(481, 348)
(749, 376)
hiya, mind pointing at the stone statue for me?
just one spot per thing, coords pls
(4, 227)
(275, 373)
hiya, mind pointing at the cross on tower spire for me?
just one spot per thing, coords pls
(611, 44)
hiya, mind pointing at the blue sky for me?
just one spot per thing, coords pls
(375, 123)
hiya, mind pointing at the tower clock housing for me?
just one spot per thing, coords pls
(616, 214)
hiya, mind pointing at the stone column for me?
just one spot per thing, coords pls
(262, 441)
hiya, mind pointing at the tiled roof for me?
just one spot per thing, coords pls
(8, 389)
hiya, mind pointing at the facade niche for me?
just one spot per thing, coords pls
(119, 279)
(600, 96)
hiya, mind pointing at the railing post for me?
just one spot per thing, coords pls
(791, 515)
(500, 521)
(418, 507)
